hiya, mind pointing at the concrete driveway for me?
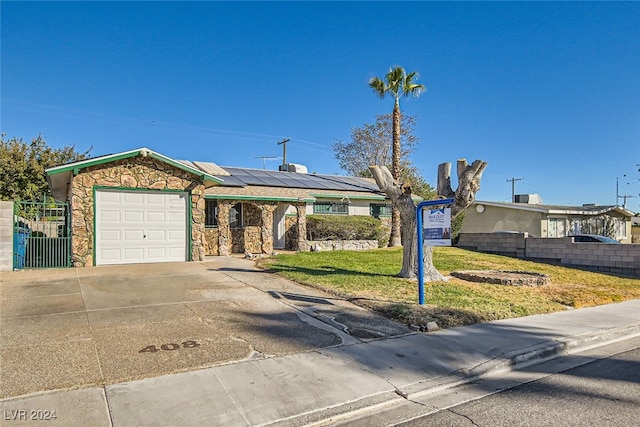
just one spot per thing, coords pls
(72, 328)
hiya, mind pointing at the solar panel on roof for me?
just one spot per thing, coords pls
(259, 177)
(231, 181)
(267, 177)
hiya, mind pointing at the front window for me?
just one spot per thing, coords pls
(331, 208)
(557, 227)
(621, 228)
(380, 210)
(211, 213)
(235, 216)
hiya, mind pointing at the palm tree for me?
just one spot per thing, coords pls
(397, 83)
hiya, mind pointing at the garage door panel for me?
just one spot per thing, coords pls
(174, 252)
(133, 216)
(140, 227)
(174, 235)
(174, 217)
(136, 254)
(133, 235)
(157, 235)
(134, 197)
(111, 254)
(111, 197)
(156, 199)
(157, 253)
(109, 215)
(154, 216)
(110, 235)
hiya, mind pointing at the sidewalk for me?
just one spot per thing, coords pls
(313, 387)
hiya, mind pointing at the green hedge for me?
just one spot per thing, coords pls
(339, 227)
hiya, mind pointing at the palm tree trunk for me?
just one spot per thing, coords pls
(395, 237)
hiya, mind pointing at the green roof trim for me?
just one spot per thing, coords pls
(77, 166)
(343, 196)
(178, 165)
(258, 198)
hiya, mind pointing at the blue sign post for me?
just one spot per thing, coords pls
(419, 209)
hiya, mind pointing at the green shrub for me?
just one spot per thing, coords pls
(337, 227)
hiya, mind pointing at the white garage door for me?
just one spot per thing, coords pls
(140, 227)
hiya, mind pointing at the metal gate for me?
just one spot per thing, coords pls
(41, 235)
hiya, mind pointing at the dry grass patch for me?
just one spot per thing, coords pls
(369, 279)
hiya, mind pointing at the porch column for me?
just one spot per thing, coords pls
(301, 209)
(198, 238)
(266, 229)
(224, 229)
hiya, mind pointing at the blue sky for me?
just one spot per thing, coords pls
(544, 91)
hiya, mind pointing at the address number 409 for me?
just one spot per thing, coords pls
(169, 347)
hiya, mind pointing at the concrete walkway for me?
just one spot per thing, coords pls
(79, 328)
(318, 386)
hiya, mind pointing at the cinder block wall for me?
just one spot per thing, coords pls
(6, 236)
(509, 244)
(607, 258)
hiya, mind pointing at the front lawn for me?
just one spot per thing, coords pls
(368, 279)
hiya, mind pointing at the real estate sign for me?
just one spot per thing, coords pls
(436, 227)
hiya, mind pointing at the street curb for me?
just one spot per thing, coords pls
(509, 361)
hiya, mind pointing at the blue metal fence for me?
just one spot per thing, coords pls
(41, 235)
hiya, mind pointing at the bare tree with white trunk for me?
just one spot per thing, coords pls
(400, 194)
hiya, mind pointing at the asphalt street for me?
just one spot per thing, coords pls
(605, 392)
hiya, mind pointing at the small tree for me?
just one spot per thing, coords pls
(400, 194)
(397, 83)
(371, 144)
(22, 166)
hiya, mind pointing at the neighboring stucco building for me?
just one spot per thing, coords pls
(141, 206)
(635, 229)
(548, 220)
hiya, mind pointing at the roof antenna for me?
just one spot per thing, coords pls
(266, 158)
(284, 151)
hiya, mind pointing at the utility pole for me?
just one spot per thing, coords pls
(513, 188)
(284, 150)
(619, 196)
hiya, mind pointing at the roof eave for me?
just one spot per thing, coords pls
(144, 152)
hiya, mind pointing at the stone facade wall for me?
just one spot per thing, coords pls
(251, 215)
(623, 259)
(212, 237)
(337, 245)
(237, 241)
(291, 232)
(256, 236)
(246, 239)
(252, 240)
(134, 173)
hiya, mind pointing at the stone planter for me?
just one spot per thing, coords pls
(511, 278)
(337, 245)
